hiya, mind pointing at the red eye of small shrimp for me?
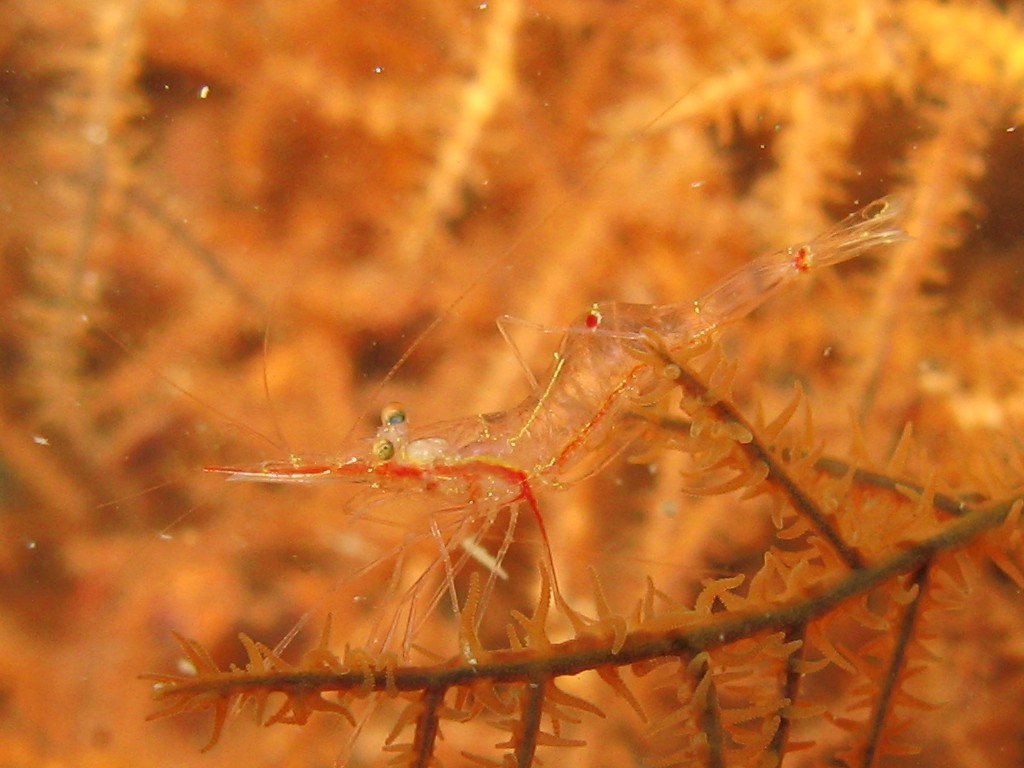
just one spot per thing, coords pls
(593, 318)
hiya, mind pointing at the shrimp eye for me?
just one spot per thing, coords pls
(391, 414)
(383, 449)
(593, 318)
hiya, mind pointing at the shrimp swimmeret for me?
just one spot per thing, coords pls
(497, 460)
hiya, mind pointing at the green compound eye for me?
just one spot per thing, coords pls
(383, 449)
(392, 414)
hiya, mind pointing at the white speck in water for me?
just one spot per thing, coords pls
(30, 543)
(40, 440)
(827, 352)
(378, 70)
(204, 91)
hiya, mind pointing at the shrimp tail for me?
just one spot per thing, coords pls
(754, 283)
(870, 227)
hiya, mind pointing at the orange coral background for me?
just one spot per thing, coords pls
(181, 182)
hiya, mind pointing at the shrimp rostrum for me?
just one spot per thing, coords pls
(475, 467)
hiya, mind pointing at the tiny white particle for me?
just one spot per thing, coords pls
(1011, 129)
(697, 184)
(483, 6)
(378, 70)
(827, 352)
(40, 440)
(204, 91)
(30, 543)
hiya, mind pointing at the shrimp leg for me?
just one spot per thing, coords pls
(504, 323)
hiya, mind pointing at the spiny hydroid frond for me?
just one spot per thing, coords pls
(743, 674)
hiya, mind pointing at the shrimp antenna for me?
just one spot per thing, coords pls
(124, 346)
(495, 264)
(274, 419)
(207, 257)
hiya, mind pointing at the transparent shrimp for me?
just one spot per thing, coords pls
(476, 466)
